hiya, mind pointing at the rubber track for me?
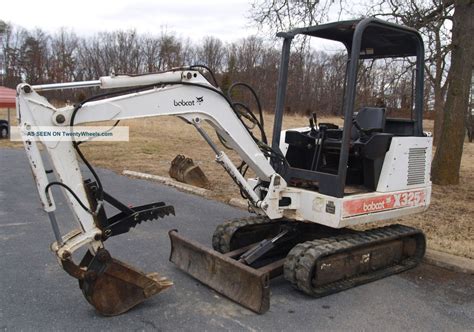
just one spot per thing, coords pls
(293, 257)
(224, 232)
(301, 260)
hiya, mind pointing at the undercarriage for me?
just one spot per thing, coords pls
(315, 259)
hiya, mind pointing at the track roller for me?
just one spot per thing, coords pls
(241, 232)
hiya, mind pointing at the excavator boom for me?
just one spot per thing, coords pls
(183, 93)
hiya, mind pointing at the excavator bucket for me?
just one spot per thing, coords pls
(196, 177)
(111, 286)
(184, 170)
(243, 284)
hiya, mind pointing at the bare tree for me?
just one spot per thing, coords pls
(151, 51)
(13, 38)
(128, 51)
(432, 19)
(211, 53)
(277, 15)
(170, 52)
(63, 56)
(447, 161)
(34, 57)
(92, 61)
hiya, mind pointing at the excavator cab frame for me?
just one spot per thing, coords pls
(316, 259)
(369, 38)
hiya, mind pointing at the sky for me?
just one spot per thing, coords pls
(225, 19)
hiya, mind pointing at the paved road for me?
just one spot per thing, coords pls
(37, 295)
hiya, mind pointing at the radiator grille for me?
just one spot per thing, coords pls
(416, 166)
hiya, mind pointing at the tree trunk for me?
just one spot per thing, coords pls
(439, 116)
(447, 161)
(470, 125)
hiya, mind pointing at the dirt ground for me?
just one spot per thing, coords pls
(448, 223)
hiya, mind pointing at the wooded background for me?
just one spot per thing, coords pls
(315, 83)
(316, 78)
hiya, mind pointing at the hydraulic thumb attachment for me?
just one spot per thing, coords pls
(113, 287)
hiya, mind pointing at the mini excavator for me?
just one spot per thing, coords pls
(311, 184)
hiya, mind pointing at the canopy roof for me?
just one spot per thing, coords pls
(7, 97)
(379, 39)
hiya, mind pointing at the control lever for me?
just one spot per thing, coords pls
(313, 122)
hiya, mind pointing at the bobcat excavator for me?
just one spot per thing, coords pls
(311, 184)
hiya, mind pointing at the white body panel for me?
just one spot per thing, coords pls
(355, 209)
(407, 164)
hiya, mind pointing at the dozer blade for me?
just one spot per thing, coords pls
(184, 170)
(240, 283)
(113, 287)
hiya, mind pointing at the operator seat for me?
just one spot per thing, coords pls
(368, 147)
(369, 118)
(370, 143)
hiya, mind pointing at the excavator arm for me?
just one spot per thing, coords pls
(182, 93)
